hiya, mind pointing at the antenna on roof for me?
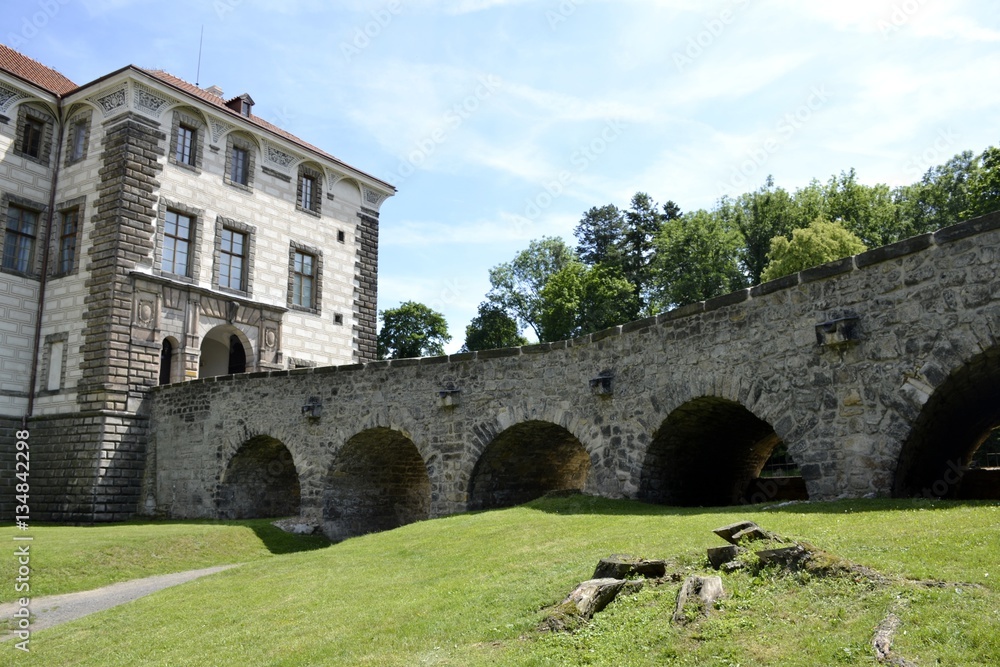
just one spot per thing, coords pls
(201, 40)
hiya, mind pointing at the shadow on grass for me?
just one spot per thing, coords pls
(584, 504)
(278, 541)
(274, 539)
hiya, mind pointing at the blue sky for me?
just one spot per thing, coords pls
(501, 121)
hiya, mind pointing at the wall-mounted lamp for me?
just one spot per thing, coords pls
(448, 397)
(313, 409)
(601, 385)
(841, 331)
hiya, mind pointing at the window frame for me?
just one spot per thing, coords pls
(177, 239)
(27, 117)
(185, 151)
(249, 232)
(316, 297)
(194, 243)
(187, 119)
(78, 138)
(236, 143)
(309, 202)
(18, 233)
(36, 251)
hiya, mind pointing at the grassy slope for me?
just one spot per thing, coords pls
(67, 559)
(467, 590)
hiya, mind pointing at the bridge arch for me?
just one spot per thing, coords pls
(261, 481)
(961, 414)
(378, 480)
(526, 461)
(711, 451)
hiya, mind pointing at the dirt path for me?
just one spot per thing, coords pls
(53, 610)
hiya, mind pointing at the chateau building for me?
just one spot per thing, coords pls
(153, 232)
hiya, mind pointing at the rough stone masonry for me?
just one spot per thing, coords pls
(859, 367)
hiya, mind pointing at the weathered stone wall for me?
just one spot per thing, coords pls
(837, 362)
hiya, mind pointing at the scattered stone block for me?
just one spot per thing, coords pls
(696, 597)
(788, 557)
(719, 556)
(624, 566)
(588, 598)
(744, 530)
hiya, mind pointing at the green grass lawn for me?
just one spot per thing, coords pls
(65, 559)
(470, 590)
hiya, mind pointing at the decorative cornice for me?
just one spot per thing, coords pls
(149, 101)
(113, 101)
(8, 96)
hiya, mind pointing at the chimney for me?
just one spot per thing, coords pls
(214, 90)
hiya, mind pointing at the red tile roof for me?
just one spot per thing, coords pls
(47, 78)
(34, 72)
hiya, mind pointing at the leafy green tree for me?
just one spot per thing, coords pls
(491, 329)
(984, 187)
(581, 299)
(942, 197)
(819, 243)
(697, 257)
(759, 216)
(518, 283)
(643, 221)
(868, 211)
(411, 330)
(599, 236)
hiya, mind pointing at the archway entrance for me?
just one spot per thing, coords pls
(711, 451)
(378, 481)
(525, 462)
(222, 353)
(166, 361)
(953, 450)
(260, 482)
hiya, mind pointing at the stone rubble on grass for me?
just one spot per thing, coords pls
(696, 597)
(611, 579)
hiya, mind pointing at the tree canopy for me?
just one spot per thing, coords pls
(492, 328)
(411, 330)
(821, 242)
(635, 261)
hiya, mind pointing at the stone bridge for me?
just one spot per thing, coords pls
(879, 374)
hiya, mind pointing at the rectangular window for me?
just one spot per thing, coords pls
(67, 240)
(238, 169)
(78, 141)
(307, 186)
(185, 152)
(303, 278)
(32, 143)
(19, 243)
(231, 255)
(176, 243)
